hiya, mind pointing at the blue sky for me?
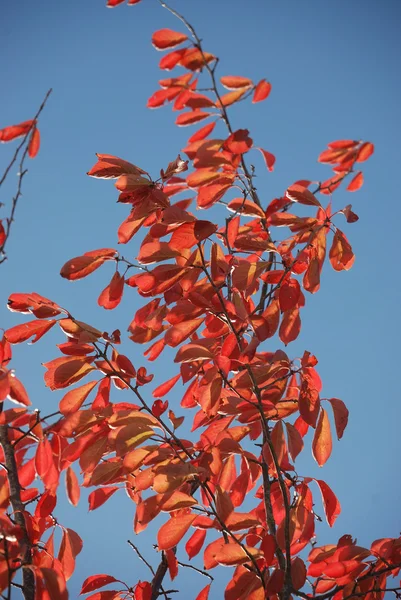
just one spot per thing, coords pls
(334, 71)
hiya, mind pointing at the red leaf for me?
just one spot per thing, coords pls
(34, 143)
(165, 387)
(174, 530)
(340, 415)
(322, 444)
(112, 294)
(332, 507)
(193, 352)
(167, 38)
(111, 167)
(290, 326)
(356, 183)
(270, 159)
(195, 543)
(99, 497)
(81, 266)
(178, 333)
(364, 152)
(94, 582)
(232, 97)
(72, 486)
(262, 91)
(204, 593)
(21, 333)
(14, 131)
(289, 294)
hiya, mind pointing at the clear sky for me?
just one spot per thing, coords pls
(334, 68)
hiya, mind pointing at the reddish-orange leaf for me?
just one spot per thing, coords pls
(356, 183)
(81, 266)
(239, 142)
(112, 294)
(202, 133)
(210, 194)
(341, 255)
(268, 547)
(33, 303)
(343, 144)
(152, 252)
(193, 352)
(269, 158)
(340, 415)
(34, 143)
(161, 96)
(289, 294)
(94, 582)
(234, 554)
(295, 441)
(43, 457)
(190, 234)
(233, 82)
(178, 333)
(74, 399)
(262, 91)
(167, 38)
(165, 387)
(72, 486)
(62, 372)
(193, 116)
(290, 326)
(100, 496)
(195, 543)
(332, 507)
(10, 133)
(35, 329)
(322, 444)
(298, 573)
(111, 167)
(17, 392)
(204, 593)
(365, 151)
(174, 530)
(54, 583)
(232, 97)
(301, 194)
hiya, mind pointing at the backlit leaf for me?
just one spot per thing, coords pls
(322, 442)
(174, 530)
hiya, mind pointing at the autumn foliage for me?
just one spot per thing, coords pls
(213, 295)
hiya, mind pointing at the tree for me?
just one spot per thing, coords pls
(213, 294)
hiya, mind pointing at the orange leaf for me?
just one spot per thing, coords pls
(152, 252)
(193, 116)
(34, 143)
(72, 485)
(195, 543)
(62, 372)
(322, 443)
(262, 91)
(165, 387)
(193, 352)
(21, 333)
(232, 97)
(234, 82)
(74, 399)
(178, 333)
(167, 38)
(174, 530)
(234, 554)
(202, 133)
